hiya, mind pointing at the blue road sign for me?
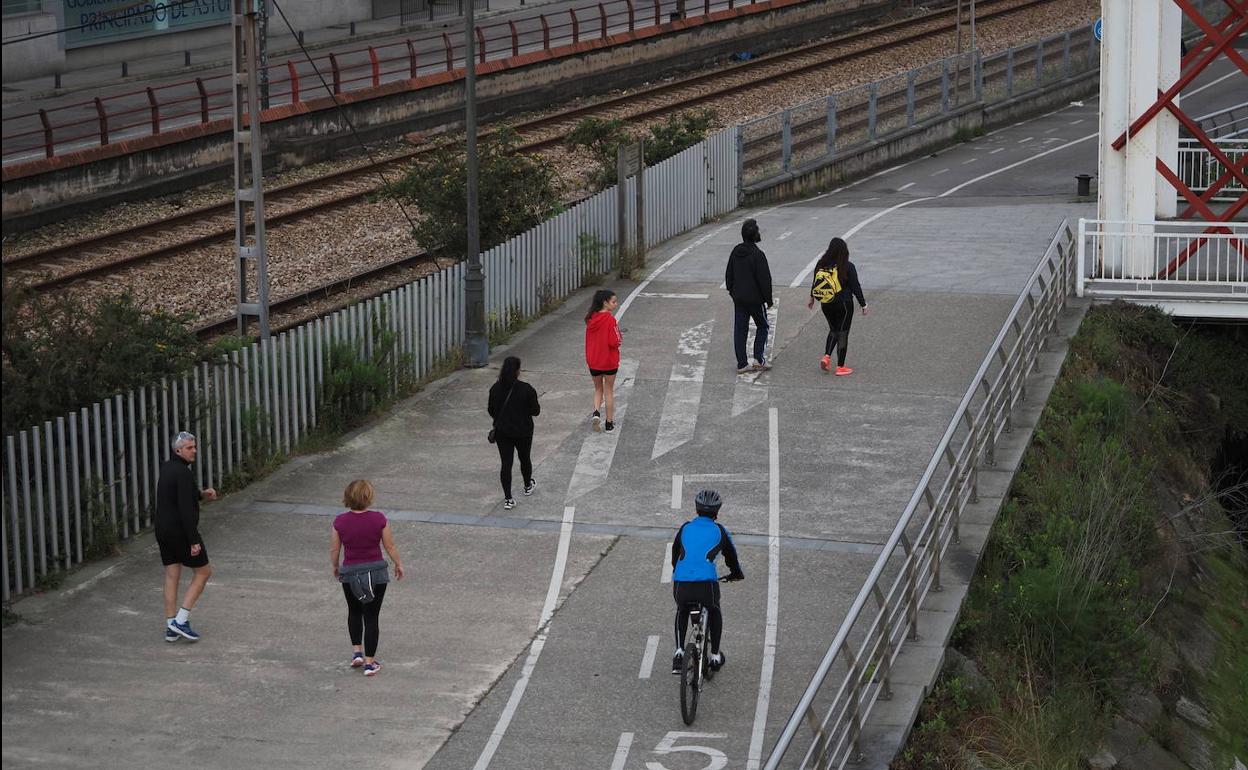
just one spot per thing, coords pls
(1096, 29)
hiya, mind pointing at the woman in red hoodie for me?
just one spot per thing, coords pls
(602, 353)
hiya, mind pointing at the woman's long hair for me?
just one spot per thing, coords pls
(600, 298)
(510, 372)
(836, 256)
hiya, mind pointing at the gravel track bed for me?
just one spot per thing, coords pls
(346, 240)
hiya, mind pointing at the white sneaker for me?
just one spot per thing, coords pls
(528, 488)
(597, 421)
(509, 503)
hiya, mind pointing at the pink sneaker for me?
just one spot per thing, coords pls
(825, 363)
(841, 371)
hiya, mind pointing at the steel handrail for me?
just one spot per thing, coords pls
(834, 651)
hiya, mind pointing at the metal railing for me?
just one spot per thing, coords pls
(1227, 123)
(47, 133)
(822, 129)
(855, 671)
(1191, 260)
(1200, 170)
(85, 475)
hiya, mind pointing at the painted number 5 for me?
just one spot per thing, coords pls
(718, 760)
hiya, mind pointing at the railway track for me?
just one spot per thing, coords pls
(110, 252)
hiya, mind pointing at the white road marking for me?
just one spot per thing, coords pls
(942, 171)
(867, 200)
(1025, 139)
(665, 576)
(784, 235)
(678, 484)
(972, 160)
(684, 390)
(647, 659)
(1050, 130)
(905, 186)
(720, 477)
(598, 449)
(628, 301)
(1195, 91)
(773, 594)
(840, 205)
(1076, 122)
(801, 277)
(621, 750)
(535, 649)
(665, 295)
(994, 152)
(747, 395)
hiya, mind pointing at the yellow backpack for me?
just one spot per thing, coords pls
(827, 285)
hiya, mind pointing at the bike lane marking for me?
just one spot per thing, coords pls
(621, 751)
(679, 418)
(535, 649)
(647, 660)
(773, 592)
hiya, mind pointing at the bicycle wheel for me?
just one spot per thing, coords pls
(689, 684)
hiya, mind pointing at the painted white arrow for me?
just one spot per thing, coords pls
(684, 390)
(598, 450)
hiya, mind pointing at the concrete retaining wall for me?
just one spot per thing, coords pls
(32, 58)
(923, 138)
(51, 189)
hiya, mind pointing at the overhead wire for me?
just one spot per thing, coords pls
(347, 118)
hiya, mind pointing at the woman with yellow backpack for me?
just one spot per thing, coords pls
(835, 286)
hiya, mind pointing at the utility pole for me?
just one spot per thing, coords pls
(957, 58)
(476, 344)
(974, 57)
(248, 169)
(264, 52)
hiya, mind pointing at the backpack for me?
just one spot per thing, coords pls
(827, 285)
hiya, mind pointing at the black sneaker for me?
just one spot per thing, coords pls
(610, 426)
(528, 488)
(717, 660)
(677, 661)
(509, 503)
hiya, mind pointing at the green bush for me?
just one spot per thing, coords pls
(516, 192)
(603, 138)
(60, 355)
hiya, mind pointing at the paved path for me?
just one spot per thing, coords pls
(814, 471)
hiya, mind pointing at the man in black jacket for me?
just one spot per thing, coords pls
(177, 533)
(748, 280)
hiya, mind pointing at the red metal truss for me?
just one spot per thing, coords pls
(1217, 41)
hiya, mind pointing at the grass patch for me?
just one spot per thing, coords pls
(1062, 611)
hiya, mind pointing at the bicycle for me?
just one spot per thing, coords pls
(695, 667)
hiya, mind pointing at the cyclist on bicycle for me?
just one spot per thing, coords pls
(694, 577)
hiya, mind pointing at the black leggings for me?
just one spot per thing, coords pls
(362, 618)
(706, 593)
(840, 316)
(507, 445)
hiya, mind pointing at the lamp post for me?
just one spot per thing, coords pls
(476, 344)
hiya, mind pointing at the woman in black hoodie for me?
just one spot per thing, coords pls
(513, 405)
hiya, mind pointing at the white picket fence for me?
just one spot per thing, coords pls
(74, 480)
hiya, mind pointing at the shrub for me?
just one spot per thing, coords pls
(60, 355)
(603, 138)
(516, 192)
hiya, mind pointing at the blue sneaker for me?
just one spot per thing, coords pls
(184, 630)
(171, 636)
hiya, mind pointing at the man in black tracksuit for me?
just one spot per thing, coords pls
(177, 534)
(748, 280)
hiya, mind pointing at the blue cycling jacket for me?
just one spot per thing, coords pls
(698, 543)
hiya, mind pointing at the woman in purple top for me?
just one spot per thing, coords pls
(361, 533)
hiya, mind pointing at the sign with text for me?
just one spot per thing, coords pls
(105, 21)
